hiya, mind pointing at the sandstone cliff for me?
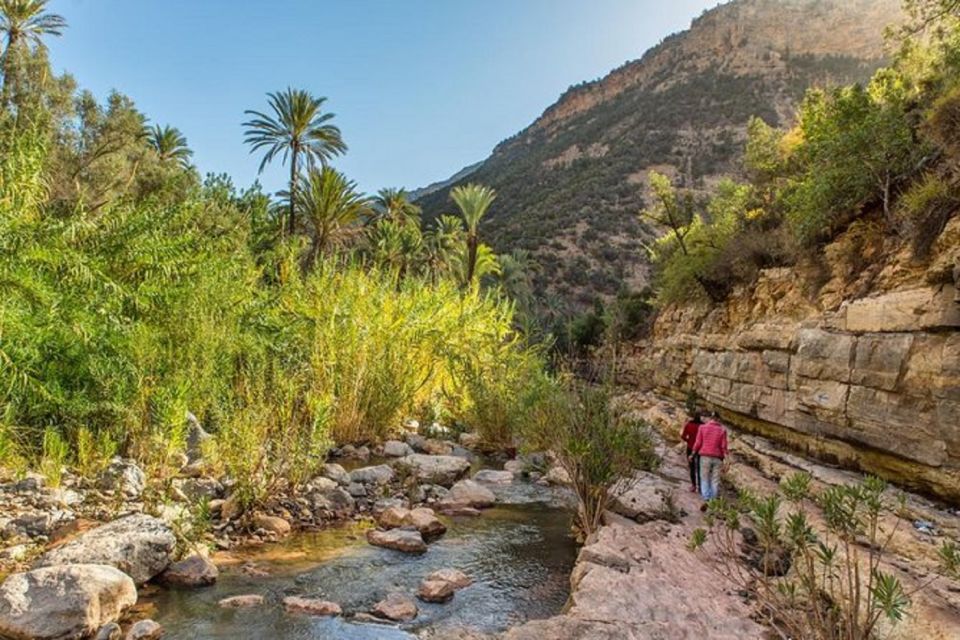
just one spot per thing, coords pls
(863, 370)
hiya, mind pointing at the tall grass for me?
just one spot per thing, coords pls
(113, 325)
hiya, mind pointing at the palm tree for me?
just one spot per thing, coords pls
(170, 144)
(473, 201)
(297, 126)
(330, 205)
(441, 244)
(23, 23)
(394, 204)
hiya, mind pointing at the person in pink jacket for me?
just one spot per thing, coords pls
(711, 446)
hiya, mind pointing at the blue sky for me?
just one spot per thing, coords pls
(420, 88)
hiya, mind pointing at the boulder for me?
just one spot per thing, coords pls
(198, 489)
(311, 606)
(557, 475)
(139, 545)
(431, 469)
(231, 508)
(380, 474)
(124, 477)
(271, 524)
(337, 500)
(109, 631)
(490, 476)
(406, 540)
(396, 607)
(426, 522)
(455, 577)
(435, 591)
(469, 493)
(336, 473)
(470, 440)
(396, 449)
(357, 490)
(242, 601)
(514, 466)
(393, 517)
(437, 447)
(144, 630)
(71, 601)
(193, 571)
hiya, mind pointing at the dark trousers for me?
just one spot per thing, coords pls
(694, 464)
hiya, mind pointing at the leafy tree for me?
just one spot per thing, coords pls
(396, 245)
(170, 145)
(296, 127)
(330, 207)
(473, 200)
(23, 24)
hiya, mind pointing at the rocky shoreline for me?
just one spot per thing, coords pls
(98, 541)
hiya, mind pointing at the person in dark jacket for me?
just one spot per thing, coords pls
(689, 437)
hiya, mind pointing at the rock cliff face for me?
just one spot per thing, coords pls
(571, 184)
(866, 372)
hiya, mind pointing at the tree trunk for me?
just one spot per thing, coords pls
(471, 257)
(293, 189)
(8, 73)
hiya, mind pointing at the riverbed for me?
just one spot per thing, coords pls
(519, 554)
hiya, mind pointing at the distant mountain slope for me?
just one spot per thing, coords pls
(570, 184)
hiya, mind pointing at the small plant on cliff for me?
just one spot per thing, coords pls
(821, 582)
(598, 446)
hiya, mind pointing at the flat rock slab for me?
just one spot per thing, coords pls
(408, 541)
(396, 607)
(443, 470)
(53, 603)
(139, 545)
(311, 606)
(426, 522)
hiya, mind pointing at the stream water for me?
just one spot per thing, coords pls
(518, 553)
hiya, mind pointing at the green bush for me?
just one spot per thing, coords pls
(924, 209)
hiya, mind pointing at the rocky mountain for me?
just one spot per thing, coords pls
(570, 185)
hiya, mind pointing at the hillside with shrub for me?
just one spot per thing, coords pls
(572, 183)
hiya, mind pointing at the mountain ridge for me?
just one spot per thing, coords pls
(570, 184)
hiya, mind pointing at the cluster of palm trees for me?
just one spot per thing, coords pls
(23, 24)
(321, 202)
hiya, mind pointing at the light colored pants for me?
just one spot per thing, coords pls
(709, 476)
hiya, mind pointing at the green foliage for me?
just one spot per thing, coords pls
(857, 144)
(834, 588)
(55, 454)
(924, 209)
(599, 446)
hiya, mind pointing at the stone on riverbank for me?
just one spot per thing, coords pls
(405, 540)
(144, 630)
(396, 449)
(380, 474)
(393, 517)
(647, 498)
(396, 607)
(194, 571)
(311, 606)
(139, 545)
(124, 477)
(53, 603)
(242, 601)
(429, 469)
(336, 473)
(271, 524)
(109, 631)
(469, 493)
